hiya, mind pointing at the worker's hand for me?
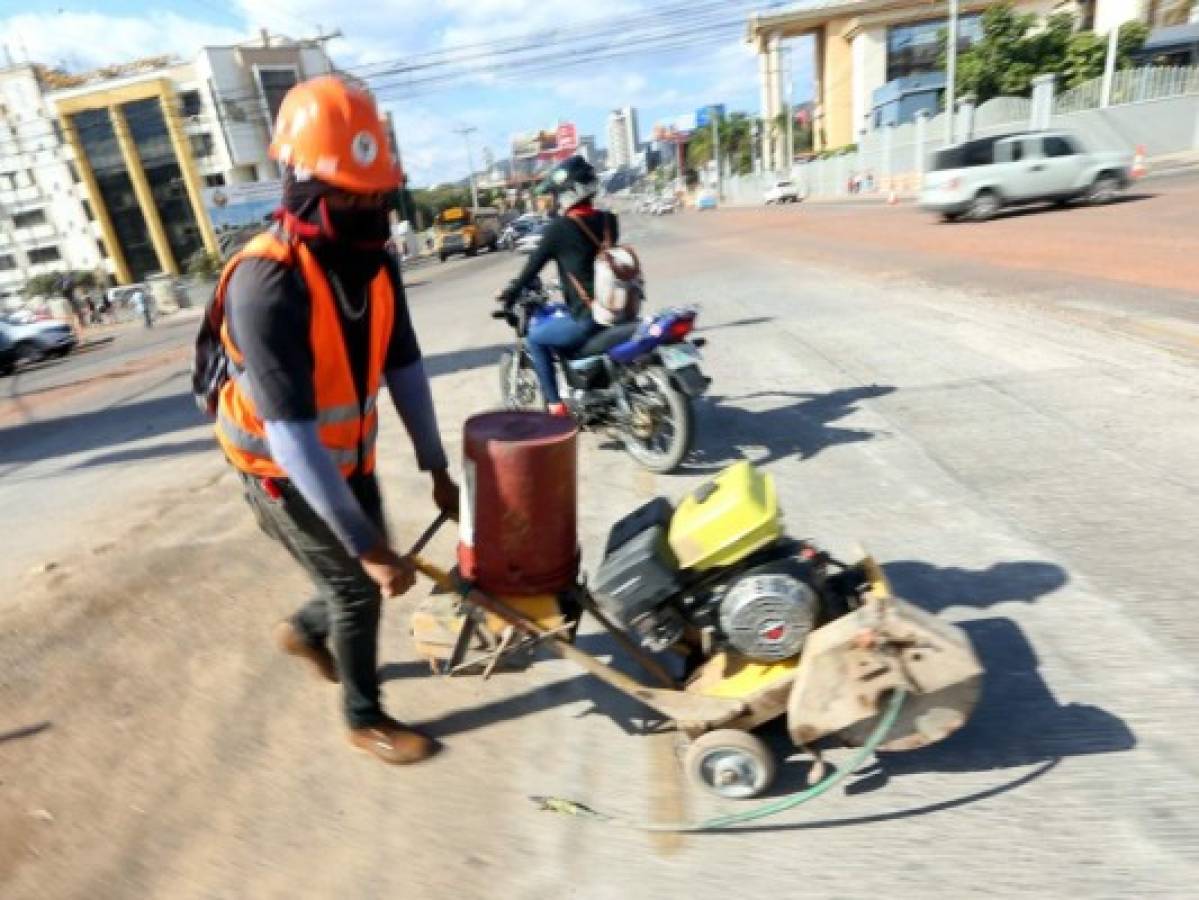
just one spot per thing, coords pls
(386, 568)
(445, 493)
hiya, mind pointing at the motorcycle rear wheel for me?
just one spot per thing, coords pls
(666, 413)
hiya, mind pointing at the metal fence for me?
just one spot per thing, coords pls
(1131, 86)
(893, 158)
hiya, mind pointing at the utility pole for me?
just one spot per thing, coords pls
(1109, 67)
(790, 118)
(716, 152)
(466, 131)
(951, 69)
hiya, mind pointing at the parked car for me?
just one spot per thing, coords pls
(782, 192)
(663, 206)
(976, 179)
(529, 241)
(706, 200)
(518, 228)
(8, 351)
(34, 339)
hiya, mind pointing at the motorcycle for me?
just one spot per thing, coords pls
(635, 381)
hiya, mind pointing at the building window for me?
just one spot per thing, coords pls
(99, 145)
(189, 103)
(202, 145)
(217, 180)
(915, 49)
(8, 181)
(1164, 13)
(87, 210)
(1058, 146)
(103, 250)
(44, 255)
(8, 262)
(74, 170)
(275, 84)
(148, 128)
(29, 219)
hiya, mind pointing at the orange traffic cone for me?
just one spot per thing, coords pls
(1138, 162)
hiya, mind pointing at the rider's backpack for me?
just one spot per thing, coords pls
(210, 365)
(619, 286)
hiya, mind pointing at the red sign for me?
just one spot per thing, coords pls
(568, 137)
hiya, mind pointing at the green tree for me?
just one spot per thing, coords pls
(1017, 47)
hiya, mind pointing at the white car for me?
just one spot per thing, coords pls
(782, 192)
(33, 339)
(529, 241)
(663, 206)
(975, 179)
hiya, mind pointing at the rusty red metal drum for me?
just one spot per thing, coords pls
(519, 530)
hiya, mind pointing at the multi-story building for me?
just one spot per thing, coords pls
(623, 138)
(149, 144)
(44, 214)
(871, 54)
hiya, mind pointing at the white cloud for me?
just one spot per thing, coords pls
(87, 40)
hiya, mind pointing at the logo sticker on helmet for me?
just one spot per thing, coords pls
(364, 148)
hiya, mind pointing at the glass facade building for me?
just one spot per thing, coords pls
(136, 164)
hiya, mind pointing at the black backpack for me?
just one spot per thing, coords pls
(210, 363)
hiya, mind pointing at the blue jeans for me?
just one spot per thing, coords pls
(559, 331)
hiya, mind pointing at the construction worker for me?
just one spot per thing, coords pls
(316, 322)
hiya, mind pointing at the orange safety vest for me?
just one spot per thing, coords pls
(347, 424)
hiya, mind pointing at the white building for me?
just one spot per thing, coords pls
(133, 173)
(623, 138)
(45, 220)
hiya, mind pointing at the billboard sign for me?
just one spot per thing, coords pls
(567, 137)
(704, 115)
(238, 211)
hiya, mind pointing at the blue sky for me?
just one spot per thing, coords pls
(660, 85)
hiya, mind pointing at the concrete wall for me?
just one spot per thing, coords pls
(869, 72)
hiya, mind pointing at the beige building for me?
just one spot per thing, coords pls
(864, 46)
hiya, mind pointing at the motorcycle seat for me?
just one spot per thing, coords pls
(604, 340)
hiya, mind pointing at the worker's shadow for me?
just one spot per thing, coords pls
(803, 425)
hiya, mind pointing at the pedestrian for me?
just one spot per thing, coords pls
(66, 286)
(316, 322)
(144, 304)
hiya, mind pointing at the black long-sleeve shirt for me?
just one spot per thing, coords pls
(565, 242)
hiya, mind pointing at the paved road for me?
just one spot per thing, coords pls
(1024, 468)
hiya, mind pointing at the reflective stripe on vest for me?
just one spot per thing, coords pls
(347, 425)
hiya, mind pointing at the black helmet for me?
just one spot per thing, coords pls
(571, 181)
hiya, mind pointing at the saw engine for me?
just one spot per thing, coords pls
(715, 574)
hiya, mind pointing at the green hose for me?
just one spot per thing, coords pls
(885, 724)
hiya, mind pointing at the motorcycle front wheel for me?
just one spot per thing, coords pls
(662, 425)
(518, 383)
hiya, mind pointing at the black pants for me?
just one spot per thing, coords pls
(346, 608)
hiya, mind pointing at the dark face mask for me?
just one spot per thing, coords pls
(362, 228)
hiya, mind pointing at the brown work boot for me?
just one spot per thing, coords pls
(290, 641)
(393, 742)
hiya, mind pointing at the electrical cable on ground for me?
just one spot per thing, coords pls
(885, 723)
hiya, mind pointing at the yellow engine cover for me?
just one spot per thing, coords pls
(726, 519)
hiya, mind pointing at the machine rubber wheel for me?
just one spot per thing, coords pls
(949, 217)
(441, 256)
(526, 392)
(473, 251)
(734, 765)
(984, 206)
(671, 423)
(1103, 190)
(27, 353)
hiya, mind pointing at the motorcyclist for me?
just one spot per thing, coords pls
(572, 240)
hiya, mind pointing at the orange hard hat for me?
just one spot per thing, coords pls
(330, 130)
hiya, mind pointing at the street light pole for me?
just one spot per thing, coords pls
(466, 131)
(951, 69)
(790, 117)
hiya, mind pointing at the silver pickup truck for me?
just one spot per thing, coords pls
(975, 179)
